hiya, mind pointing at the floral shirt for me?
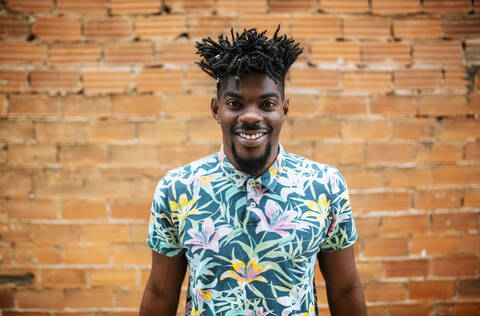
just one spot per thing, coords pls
(251, 243)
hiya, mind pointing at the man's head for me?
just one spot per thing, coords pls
(250, 104)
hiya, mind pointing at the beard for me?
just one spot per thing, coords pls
(252, 166)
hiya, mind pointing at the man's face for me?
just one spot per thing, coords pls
(251, 115)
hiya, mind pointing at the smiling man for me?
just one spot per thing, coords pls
(252, 220)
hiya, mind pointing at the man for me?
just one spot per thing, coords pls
(251, 220)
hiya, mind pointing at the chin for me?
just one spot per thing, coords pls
(254, 163)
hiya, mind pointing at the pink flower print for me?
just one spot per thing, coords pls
(256, 192)
(258, 312)
(336, 219)
(247, 274)
(277, 221)
(207, 238)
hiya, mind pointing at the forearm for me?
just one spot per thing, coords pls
(349, 301)
(155, 303)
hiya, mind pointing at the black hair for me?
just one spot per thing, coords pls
(248, 52)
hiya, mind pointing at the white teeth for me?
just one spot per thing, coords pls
(254, 136)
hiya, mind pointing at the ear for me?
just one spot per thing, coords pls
(214, 109)
(286, 105)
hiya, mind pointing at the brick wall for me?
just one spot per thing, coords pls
(98, 98)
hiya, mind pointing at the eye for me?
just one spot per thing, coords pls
(269, 103)
(233, 104)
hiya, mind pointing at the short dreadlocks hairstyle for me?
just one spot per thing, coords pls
(248, 52)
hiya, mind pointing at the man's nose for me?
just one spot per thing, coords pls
(250, 115)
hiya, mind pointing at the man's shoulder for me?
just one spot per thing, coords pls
(302, 164)
(193, 169)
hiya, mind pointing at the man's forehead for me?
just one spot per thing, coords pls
(250, 82)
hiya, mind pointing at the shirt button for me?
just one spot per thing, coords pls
(253, 204)
(252, 183)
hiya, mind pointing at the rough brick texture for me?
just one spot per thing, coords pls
(99, 98)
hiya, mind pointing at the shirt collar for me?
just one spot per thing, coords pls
(268, 179)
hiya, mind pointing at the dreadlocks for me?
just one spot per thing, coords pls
(248, 52)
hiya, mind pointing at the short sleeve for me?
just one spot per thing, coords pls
(163, 235)
(341, 231)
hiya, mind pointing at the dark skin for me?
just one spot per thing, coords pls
(251, 117)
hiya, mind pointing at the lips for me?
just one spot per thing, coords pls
(251, 136)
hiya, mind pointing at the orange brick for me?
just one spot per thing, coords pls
(438, 53)
(369, 270)
(129, 298)
(57, 29)
(105, 233)
(336, 52)
(366, 129)
(106, 81)
(162, 131)
(315, 129)
(437, 153)
(139, 7)
(108, 28)
(63, 278)
(442, 6)
(456, 266)
(32, 105)
(122, 155)
(335, 105)
(302, 105)
(175, 53)
(83, 210)
(366, 28)
(201, 26)
(137, 105)
(418, 79)
(188, 105)
(262, 22)
(385, 291)
(461, 27)
(388, 201)
(197, 80)
(437, 199)
(443, 105)
(314, 79)
(387, 53)
(130, 209)
(434, 244)
(367, 81)
(109, 188)
(344, 6)
(137, 232)
(3, 105)
(456, 175)
(47, 132)
(87, 254)
(163, 26)
(458, 309)
(176, 155)
(395, 7)
(249, 6)
(405, 224)
(82, 155)
(91, 298)
(417, 28)
(470, 243)
(362, 179)
(14, 53)
(385, 247)
(3, 153)
(15, 183)
(13, 80)
(7, 298)
(53, 234)
(47, 299)
(12, 26)
(472, 197)
(407, 177)
(37, 254)
(204, 131)
(289, 6)
(128, 53)
(459, 129)
(81, 105)
(31, 154)
(393, 105)
(189, 5)
(78, 54)
(472, 52)
(428, 290)
(159, 80)
(54, 184)
(469, 288)
(316, 26)
(82, 6)
(472, 151)
(107, 131)
(131, 254)
(407, 268)
(378, 153)
(339, 153)
(31, 6)
(458, 221)
(113, 277)
(55, 81)
(456, 78)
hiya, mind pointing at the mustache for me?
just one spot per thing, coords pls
(250, 127)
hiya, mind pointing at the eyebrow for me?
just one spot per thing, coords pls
(263, 96)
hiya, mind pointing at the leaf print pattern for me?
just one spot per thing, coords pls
(251, 243)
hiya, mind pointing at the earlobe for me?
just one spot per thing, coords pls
(286, 105)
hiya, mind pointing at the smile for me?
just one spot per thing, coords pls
(253, 136)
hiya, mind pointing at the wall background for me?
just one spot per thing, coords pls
(98, 98)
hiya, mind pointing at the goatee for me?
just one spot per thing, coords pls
(252, 166)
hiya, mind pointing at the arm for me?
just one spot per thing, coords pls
(344, 289)
(164, 285)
